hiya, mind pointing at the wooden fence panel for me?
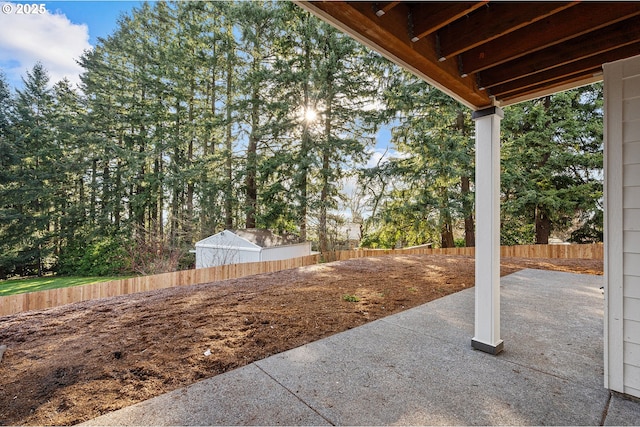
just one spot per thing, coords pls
(57, 297)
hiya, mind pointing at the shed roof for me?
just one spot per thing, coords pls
(266, 238)
(493, 53)
(247, 238)
(227, 239)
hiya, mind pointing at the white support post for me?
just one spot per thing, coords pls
(487, 288)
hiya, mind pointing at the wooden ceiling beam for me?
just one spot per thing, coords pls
(558, 28)
(427, 18)
(535, 82)
(615, 36)
(381, 8)
(493, 21)
(516, 50)
(549, 88)
(592, 64)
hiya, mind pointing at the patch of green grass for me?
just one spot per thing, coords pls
(20, 286)
(350, 298)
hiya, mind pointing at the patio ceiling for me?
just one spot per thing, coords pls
(493, 53)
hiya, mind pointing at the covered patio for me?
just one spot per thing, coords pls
(416, 368)
(488, 55)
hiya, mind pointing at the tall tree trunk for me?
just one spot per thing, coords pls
(446, 222)
(154, 211)
(175, 200)
(141, 206)
(252, 165)
(81, 198)
(324, 192)
(252, 155)
(160, 207)
(304, 145)
(228, 196)
(542, 221)
(467, 206)
(118, 191)
(543, 226)
(302, 184)
(186, 223)
(94, 190)
(206, 199)
(107, 196)
(446, 235)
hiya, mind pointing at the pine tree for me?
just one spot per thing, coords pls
(434, 138)
(262, 114)
(69, 197)
(9, 168)
(7, 148)
(28, 196)
(552, 162)
(346, 91)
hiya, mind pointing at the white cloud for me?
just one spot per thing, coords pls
(380, 155)
(48, 38)
(377, 157)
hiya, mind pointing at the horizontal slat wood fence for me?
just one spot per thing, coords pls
(591, 251)
(57, 297)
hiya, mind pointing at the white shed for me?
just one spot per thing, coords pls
(249, 245)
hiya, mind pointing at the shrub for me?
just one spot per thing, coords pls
(104, 256)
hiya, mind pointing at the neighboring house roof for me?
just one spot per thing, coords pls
(251, 238)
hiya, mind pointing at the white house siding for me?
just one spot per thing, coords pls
(622, 223)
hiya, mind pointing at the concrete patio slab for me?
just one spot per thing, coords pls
(244, 396)
(551, 320)
(623, 412)
(418, 367)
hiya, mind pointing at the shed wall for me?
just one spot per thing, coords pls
(285, 252)
(622, 195)
(213, 257)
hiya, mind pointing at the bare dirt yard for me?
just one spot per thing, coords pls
(76, 362)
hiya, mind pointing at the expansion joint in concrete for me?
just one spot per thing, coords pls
(294, 395)
(605, 411)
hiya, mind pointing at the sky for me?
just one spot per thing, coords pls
(56, 33)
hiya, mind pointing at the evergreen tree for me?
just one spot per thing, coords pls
(434, 138)
(69, 196)
(28, 194)
(347, 88)
(263, 116)
(7, 148)
(552, 165)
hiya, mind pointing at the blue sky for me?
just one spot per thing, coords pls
(100, 16)
(56, 35)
